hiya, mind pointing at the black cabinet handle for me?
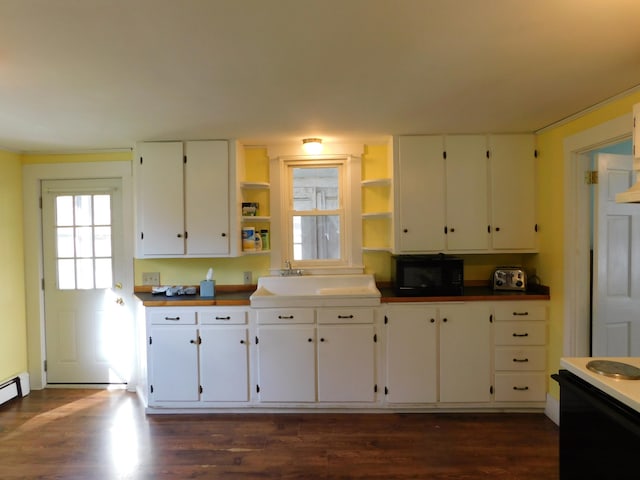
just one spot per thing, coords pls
(521, 360)
(444, 320)
(520, 314)
(433, 320)
(322, 339)
(242, 342)
(345, 316)
(520, 334)
(521, 389)
(223, 318)
(285, 317)
(173, 319)
(310, 340)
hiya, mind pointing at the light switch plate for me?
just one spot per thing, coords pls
(151, 278)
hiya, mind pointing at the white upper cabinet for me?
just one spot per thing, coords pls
(182, 195)
(467, 197)
(465, 193)
(420, 193)
(513, 174)
(160, 199)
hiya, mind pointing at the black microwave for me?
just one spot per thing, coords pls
(427, 275)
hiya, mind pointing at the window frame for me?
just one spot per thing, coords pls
(351, 217)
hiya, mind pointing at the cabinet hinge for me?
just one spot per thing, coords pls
(445, 230)
(141, 235)
(491, 389)
(184, 159)
(591, 177)
(535, 153)
(488, 228)
(42, 284)
(488, 154)
(201, 390)
(375, 388)
(40, 202)
(386, 390)
(491, 318)
(150, 341)
(386, 319)
(199, 340)
(257, 341)
(45, 365)
(151, 388)
(257, 388)
(186, 235)
(535, 228)
(444, 154)
(375, 338)
(140, 160)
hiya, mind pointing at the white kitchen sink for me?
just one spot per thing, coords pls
(315, 291)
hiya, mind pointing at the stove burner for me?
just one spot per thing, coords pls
(619, 370)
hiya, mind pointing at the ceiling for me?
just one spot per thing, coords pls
(80, 75)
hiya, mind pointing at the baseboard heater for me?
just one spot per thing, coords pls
(15, 387)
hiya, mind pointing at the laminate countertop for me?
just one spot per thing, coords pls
(238, 295)
(625, 391)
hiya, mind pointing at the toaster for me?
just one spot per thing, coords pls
(508, 278)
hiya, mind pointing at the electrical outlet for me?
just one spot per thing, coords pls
(151, 278)
(247, 278)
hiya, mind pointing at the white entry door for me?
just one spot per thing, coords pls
(89, 333)
(616, 309)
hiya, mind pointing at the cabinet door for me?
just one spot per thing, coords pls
(346, 363)
(224, 364)
(636, 130)
(173, 355)
(207, 197)
(467, 193)
(286, 363)
(159, 197)
(465, 353)
(412, 354)
(420, 191)
(513, 192)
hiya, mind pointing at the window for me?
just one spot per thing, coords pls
(317, 212)
(319, 217)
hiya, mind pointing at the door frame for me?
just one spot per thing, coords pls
(32, 177)
(576, 247)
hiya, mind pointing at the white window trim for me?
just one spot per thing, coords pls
(351, 238)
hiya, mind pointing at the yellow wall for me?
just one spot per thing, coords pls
(551, 213)
(13, 324)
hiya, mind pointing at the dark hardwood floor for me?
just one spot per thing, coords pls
(100, 434)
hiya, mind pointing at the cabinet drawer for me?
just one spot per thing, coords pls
(171, 316)
(345, 315)
(520, 311)
(520, 387)
(521, 333)
(520, 358)
(288, 315)
(222, 317)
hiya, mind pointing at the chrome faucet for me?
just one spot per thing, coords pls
(288, 271)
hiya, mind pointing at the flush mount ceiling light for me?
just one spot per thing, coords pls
(312, 145)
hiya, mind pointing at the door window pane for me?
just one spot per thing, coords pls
(84, 241)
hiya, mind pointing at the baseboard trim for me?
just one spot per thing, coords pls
(552, 409)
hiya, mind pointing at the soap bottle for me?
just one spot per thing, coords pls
(258, 241)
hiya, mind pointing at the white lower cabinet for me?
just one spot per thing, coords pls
(465, 353)
(197, 356)
(429, 355)
(316, 355)
(286, 363)
(438, 353)
(520, 352)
